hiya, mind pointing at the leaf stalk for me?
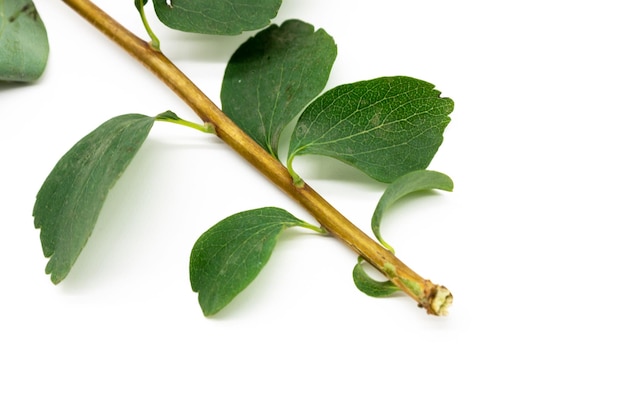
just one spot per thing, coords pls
(154, 40)
(434, 298)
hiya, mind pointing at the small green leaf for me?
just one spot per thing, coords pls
(216, 17)
(369, 285)
(230, 255)
(273, 76)
(23, 41)
(70, 199)
(171, 117)
(407, 184)
(168, 116)
(385, 127)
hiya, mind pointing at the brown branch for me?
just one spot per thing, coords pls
(434, 298)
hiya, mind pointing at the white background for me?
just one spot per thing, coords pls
(531, 242)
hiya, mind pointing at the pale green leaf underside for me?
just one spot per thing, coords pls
(273, 76)
(386, 127)
(230, 255)
(407, 184)
(369, 285)
(216, 17)
(70, 199)
(23, 41)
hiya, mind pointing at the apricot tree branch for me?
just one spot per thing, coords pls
(434, 298)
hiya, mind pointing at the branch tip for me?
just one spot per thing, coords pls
(440, 301)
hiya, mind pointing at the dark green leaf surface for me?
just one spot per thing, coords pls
(230, 255)
(70, 200)
(273, 76)
(407, 184)
(216, 17)
(385, 127)
(23, 41)
(369, 285)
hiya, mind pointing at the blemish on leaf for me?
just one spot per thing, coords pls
(375, 119)
(29, 10)
(301, 129)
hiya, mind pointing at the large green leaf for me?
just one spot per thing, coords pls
(230, 255)
(216, 17)
(23, 41)
(386, 127)
(273, 76)
(70, 199)
(407, 184)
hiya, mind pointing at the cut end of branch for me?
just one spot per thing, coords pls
(434, 298)
(440, 301)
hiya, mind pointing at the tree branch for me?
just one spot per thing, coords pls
(434, 298)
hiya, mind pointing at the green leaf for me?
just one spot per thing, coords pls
(407, 184)
(168, 116)
(216, 17)
(369, 285)
(385, 127)
(273, 76)
(70, 199)
(23, 41)
(229, 256)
